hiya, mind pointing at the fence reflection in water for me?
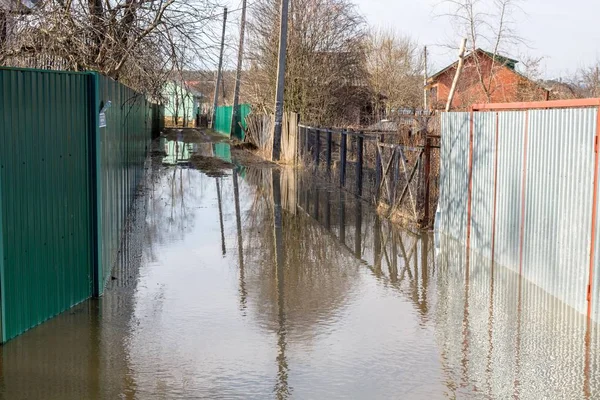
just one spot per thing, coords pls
(467, 329)
(498, 334)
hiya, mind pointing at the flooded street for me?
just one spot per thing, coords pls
(262, 284)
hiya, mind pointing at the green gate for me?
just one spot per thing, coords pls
(223, 120)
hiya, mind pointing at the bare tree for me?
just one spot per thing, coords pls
(533, 87)
(588, 79)
(325, 76)
(135, 41)
(394, 64)
(488, 24)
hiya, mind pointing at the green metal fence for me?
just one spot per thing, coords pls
(223, 120)
(158, 120)
(65, 188)
(124, 143)
(45, 175)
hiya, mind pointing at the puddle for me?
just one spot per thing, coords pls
(214, 159)
(260, 284)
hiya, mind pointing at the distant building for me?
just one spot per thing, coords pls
(563, 90)
(182, 103)
(504, 84)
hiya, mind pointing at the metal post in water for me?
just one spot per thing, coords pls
(378, 167)
(426, 177)
(343, 150)
(359, 165)
(396, 175)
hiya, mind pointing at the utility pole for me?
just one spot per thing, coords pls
(280, 81)
(236, 92)
(216, 98)
(425, 78)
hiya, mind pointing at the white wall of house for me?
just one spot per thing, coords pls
(179, 102)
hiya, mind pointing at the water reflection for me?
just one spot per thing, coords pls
(262, 284)
(179, 152)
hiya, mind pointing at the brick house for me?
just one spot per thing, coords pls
(502, 82)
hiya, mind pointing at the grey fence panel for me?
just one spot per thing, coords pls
(541, 179)
(511, 141)
(595, 300)
(482, 194)
(454, 179)
(558, 205)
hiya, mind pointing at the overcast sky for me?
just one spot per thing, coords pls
(565, 32)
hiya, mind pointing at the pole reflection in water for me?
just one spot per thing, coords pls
(282, 390)
(223, 248)
(299, 311)
(240, 240)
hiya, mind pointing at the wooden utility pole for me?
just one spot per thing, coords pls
(461, 62)
(280, 81)
(425, 78)
(216, 98)
(236, 92)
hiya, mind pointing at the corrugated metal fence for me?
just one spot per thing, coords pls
(123, 147)
(65, 188)
(223, 120)
(519, 186)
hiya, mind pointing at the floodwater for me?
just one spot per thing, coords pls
(262, 284)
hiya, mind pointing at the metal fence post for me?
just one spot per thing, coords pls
(300, 141)
(306, 138)
(426, 176)
(317, 147)
(359, 164)
(343, 150)
(378, 167)
(329, 134)
(396, 173)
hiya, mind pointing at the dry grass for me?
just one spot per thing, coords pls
(250, 158)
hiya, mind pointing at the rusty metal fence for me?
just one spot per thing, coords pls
(374, 167)
(519, 186)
